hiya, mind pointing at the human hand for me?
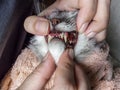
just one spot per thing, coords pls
(39, 77)
(68, 74)
(92, 18)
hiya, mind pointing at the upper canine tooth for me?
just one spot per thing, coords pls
(65, 38)
(62, 35)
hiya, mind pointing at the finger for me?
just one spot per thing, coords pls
(101, 18)
(81, 79)
(86, 13)
(49, 10)
(39, 77)
(64, 74)
(59, 5)
(101, 36)
(36, 25)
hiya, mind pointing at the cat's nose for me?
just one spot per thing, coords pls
(55, 21)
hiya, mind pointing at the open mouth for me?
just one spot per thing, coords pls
(69, 38)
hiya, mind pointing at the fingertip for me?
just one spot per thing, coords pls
(67, 56)
(36, 25)
(81, 78)
(96, 29)
(65, 69)
(83, 20)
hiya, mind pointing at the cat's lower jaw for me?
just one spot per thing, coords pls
(40, 47)
(56, 47)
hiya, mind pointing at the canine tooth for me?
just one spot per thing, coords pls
(65, 38)
(62, 35)
(49, 38)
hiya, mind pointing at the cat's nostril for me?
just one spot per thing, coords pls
(55, 21)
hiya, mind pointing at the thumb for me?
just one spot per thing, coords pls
(36, 25)
(64, 73)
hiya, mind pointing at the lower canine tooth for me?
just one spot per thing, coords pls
(49, 38)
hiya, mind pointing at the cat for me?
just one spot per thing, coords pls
(92, 55)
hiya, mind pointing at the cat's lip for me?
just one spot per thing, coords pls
(70, 38)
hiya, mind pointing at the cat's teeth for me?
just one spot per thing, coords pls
(62, 35)
(65, 38)
(49, 38)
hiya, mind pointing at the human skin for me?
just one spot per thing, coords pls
(67, 74)
(92, 18)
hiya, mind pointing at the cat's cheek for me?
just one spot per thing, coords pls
(56, 48)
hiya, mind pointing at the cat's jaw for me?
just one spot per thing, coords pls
(40, 47)
(56, 47)
(67, 23)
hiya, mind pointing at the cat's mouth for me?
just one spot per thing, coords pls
(70, 38)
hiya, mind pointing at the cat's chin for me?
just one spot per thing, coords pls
(40, 47)
(56, 46)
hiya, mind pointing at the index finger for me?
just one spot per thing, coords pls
(64, 74)
(81, 78)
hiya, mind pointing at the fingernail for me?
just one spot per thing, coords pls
(71, 53)
(91, 34)
(42, 27)
(83, 27)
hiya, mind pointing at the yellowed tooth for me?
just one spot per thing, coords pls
(65, 38)
(49, 38)
(62, 35)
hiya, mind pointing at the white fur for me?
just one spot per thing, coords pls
(63, 27)
(56, 48)
(40, 47)
(83, 47)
